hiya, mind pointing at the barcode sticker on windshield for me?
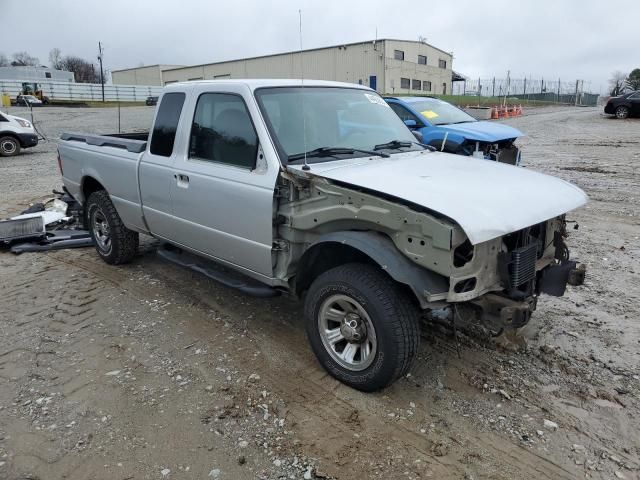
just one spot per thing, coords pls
(376, 99)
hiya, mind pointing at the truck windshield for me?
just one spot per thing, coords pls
(338, 122)
(438, 112)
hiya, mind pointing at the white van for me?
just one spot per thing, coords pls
(15, 133)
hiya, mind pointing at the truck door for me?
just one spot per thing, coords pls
(223, 187)
(156, 167)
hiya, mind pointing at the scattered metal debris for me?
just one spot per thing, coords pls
(54, 224)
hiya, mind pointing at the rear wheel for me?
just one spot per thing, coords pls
(362, 327)
(9, 146)
(114, 242)
(622, 112)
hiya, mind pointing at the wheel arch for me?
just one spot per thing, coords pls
(337, 248)
(9, 133)
(88, 185)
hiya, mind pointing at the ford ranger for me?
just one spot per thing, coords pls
(320, 190)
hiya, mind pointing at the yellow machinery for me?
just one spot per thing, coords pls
(34, 89)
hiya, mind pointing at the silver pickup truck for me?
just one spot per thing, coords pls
(319, 189)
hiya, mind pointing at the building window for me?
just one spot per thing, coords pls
(442, 63)
(416, 85)
(222, 131)
(47, 74)
(426, 86)
(398, 54)
(405, 83)
(422, 59)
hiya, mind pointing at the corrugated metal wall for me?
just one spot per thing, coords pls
(411, 69)
(351, 63)
(85, 91)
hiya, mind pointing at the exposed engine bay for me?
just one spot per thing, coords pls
(504, 151)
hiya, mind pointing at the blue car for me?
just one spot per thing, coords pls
(450, 129)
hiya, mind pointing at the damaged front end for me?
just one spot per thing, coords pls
(532, 261)
(503, 151)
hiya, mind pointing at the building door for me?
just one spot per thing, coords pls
(444, 88)
(373, 82)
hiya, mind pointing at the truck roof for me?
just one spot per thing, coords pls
(255, 83)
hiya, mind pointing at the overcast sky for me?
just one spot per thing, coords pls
(552, 39)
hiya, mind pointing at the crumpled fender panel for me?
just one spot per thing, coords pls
(426, 285)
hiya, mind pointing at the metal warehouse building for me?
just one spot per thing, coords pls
(387, 65)
(36, 74)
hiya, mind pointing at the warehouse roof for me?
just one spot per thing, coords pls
(311, 50)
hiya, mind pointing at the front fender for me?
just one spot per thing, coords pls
(426, 285)
(435, 136)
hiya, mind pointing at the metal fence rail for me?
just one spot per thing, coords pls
(84, 91)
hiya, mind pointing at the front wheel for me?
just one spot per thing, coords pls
(362, 327)
(114, 242)
(9, 147)
(622, 112)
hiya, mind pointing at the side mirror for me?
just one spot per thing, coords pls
(411, 123)
(418, 136)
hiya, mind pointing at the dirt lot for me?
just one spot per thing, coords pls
(148, 371)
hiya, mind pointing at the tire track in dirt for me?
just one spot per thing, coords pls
(317, 406)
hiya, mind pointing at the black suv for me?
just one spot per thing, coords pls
(624, 106)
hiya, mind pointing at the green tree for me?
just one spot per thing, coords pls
(633, 80)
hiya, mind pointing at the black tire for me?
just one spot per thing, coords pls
(122, 244)
(9, 146)
(393, 314)
(622, 112)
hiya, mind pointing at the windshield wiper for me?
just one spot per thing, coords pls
(395, 144)
(330, 151)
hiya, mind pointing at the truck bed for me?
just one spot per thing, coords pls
(134, 142)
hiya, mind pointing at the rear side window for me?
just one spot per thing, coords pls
(222, 131)
(164, 130)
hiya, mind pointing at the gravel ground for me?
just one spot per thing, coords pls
(148, 371)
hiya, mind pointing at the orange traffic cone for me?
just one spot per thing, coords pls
(514, 111)
(506, 112)
(520, 112)
(494, 113)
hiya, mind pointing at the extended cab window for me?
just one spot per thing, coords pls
(164, 130)
(222, 131)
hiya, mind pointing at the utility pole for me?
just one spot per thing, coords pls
(101, 71)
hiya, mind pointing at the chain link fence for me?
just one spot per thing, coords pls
(528, 90)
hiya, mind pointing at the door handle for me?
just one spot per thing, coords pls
(182, 180)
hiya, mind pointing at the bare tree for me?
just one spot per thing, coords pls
(84, 71)
(617, 82)
(4, 61)
(23, 59)
(55, 57)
